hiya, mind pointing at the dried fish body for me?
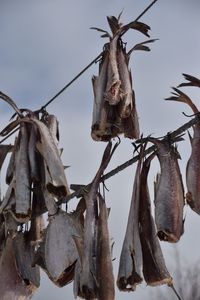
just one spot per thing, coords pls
(88, 282)
(193, 173)
(154, 269)
(22, 176)
(33, 153)
(11, 165)
(52, 123)
(105, 277)
(169, 198)
(12, 286)
(56, 181)
(193, 164)
(24, 256)
(100, 128)
(112, 92)
(60, 253)
(130, 266)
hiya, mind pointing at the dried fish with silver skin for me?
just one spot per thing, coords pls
(12, 286)
(52, 123)
(105, 277)
(56, 182)
(33, 153)
(22, 177)
(130, 265)
(101, 129)
(169, 198)
(60, 253)
(154, 269)
(24, 256)
(193, 164)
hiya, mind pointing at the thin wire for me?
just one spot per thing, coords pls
(90, 64)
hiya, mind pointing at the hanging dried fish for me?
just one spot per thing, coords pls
(12, 285)
(192, 81)
(11, 164)
(154, 268)
(88, 277)
(114, 110)
(22, 177)
(130, 265)
(24, 255)
(193, 164)
(169, 198)
(105, 277)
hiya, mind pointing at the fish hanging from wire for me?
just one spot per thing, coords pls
(114, 108)
(193, 164)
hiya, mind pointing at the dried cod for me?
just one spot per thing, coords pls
(130, 265)
(169, 197)
(114, 109)
(193, 164)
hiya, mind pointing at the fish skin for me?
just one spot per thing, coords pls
(112, 92)
(60, 253)
(88, 284)
(56, 182)
(22, 177)
(12, 286)
(24, 254)
(11, 164)
(193, 164)
(105, 277)
(154, 269)
(100, 128)
(169, 198)
(130, 265)
(33, 153)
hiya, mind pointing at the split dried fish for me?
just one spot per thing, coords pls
(169, 198)
(130, 265)
(193, 164)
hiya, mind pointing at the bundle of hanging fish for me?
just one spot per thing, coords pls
(193, 165)
(36, 182)
(141, 255)
(114, 108)
(94, 277)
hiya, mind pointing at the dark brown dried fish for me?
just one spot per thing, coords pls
(105, 277)
(130, 265)
(154, 268)
(169, 198)
(193, 164)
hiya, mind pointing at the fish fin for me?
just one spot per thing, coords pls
(179, 96)
(193, 81)
(190, 137)
(141, 46)
(139, 26)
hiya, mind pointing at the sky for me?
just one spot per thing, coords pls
(45, 43)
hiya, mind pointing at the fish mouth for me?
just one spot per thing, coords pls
(167, 236)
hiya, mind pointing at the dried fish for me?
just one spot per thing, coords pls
(24, 255)
(193, 164)
(130, 265)
(12, 285)
(22, 177)
(105, 277)
(169, 198)
(88, 278)
(11, 165)
(114, 110)
(59, 253)
(154, 269)
(193, 81)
